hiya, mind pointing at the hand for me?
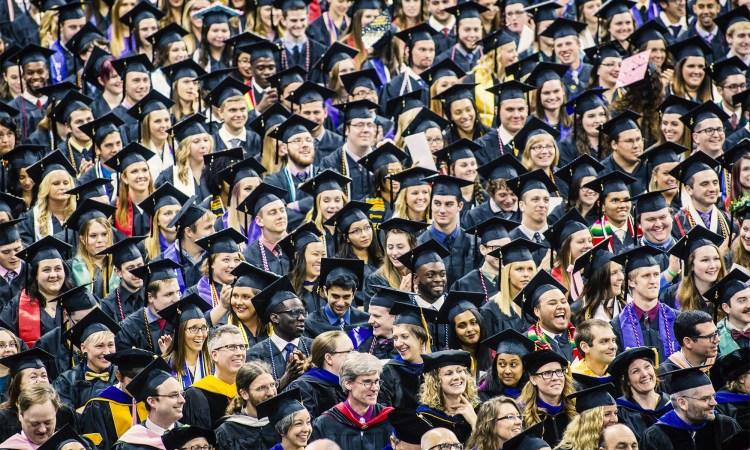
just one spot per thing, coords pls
(546, 263)
(85, 165)
(225, 299)
(293, 369)
(466, 409)
(406, 283)
(271, 96)
(724, 247)
(667, 75)
(164, 342)
(674, 264)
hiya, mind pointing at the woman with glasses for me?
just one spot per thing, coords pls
(241, 429)
(356, 236)
(498, 420)
(596, 410)
(8, 346)
(187, 353)
(607, 62)
(544, 396)
(539, 143)
(634, 371)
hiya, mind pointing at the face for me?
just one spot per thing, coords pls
(674, 9)
(516, 18)
(187, 89)
(566, 50)
(610, 415)
(12, 76)
(32, 376)
(97, 239)
(506, 199)
(616, 207)
(469, 32)
(97, 351)
(609, 70)
(241, 302)
(706, 264)
(7, 140)
(340, 6)
(437, 9)
(137, 85)
(364, 389)
(709, 136)
(343, 348)
(243, 65)
(443, 83)
(110, 146)
(361, 132)
(10, 345)
(543, 153)
(146, 28)
(629, 145)
(705, 189)
(520, 274)
(223, 265)
(137, 176)
(580, 242)
(360, 234)
(35, 76)
(226, 359)
(739, 41)
(431, 279)
(396, 244)
(592, 120)
(8, 258)
(25, 181)
(616, 278)
(61, 182)
(113, 85)
(672, 127)
(589, 8)
(261, 69)
(588, 197)
(273, 217)
(621, 26)
(411, 8)
(314, 111)
(552, 95)
(509, 369)
(733, 84)
(261, 389)
(705, 343)
(445, 209)
(292, 324)
(423, 54)
(381, 321)
(553, 311)
(603, 348)
(744, 175)
(738, 308)
(217, 34)
(706, 11)
(701, 407)
(406, 344)
(507, 428)
(38, 422)
(159, 122)
(417, 198)
(513, 114)
(641, 376)
(330, 202)
(552, 387)
(339, 299)
(507, 54)
(534, 205)
(620, 438)
(363, 93)
(465, 169)
(168, 293)
(130, 281)
(646, 282)
(170, 400)
(50, 276)
(693, 71)
(301, 429)
(463, 115)
(295, 22)
(314, 254)
(745, 234)
(452, 380)
(466, 326)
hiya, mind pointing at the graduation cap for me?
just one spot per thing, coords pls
(583, 166)
(408, 427)
(408, 226)
(535, 360)
(54, 161)
(421, 32)
(650, 201)
(5, 57)
(597, 257)
(457, 92)
(598, 53)
(149, 379)
(243, 39)
(615, 181)
(189, 126)
(544, 11)
(94, 64)
(721, 70)
(510, 90)
(358, 109)
(247, 168)
(704, 111)
(526, 182)
(90, 189)
(257, 50)
(386, 297)
(523, 66)
(635, 258)
(64, 436)
(517, 250)
(667, 152)
(90, 209)
(460, 149)
(267, 300)
(692, 46)
(143, 10)
(444, 68)
(692, 165)
(493, 229)
(233, 156)
(736, 15)
(327, 180)
(8, 111)
(303, 235)
(281, 406)
(618, 368)
(84, 36)
(169, 34)
(79, 298)
(614, 7)
(34, 358)
(71, 102)
(353, 211)
(458, 302)
(363, 4)
(10, 203)
(386, 154)
(649, 31)
(331, 268)
(683, 379)
(282, 79)
(136, 63)
(505, 167)
(261, 196)
(528, 439)
(732, 365)
(94, 322)
(100, 128)
(428, 252)
(224, 241)
(403, 103)
(411, 314)
(533, 127)
(57, 91)
(228, 87)
(627, 120)
(335, 53)
(694, 239)
(310, 92)
(734, 154)
(291, 127)
(216, 13)
(23, 156)
(510, 342)
(723, 290)
(31, 53)
(124, 251)
(447, 185)
(586, 101)
(542, 283)
(187, 68)
(153, 101)
(163, 269)
(254, 277)
(131, 154)
(191, 306)
(166, 195)
(9, 231)
(210, 80)
(593, 397)
(424, 120)
(48, 247)
(569, 224)
(177, 437)
(563, 27)
(467, 10)
(546, 71)
(275, 115)
(413, 176)
(445, 358)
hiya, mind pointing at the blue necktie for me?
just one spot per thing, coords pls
(289, 349)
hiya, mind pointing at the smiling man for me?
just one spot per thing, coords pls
(699, 342)
(266, 206)
(12, 268)
(135, 72)
(705, 11)
(381, 321)
(419, 55)
(532, 190)
(32, 103)
(567, 45)
(511, 111)
(297, 49)
(596, 342)
(466, 51)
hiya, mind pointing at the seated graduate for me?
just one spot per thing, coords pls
(111, 413)
(319, 384)
(381, 321)
(603, 294)
(191, 223)
(634, 371)
(187, 353)
(407, 429)
(306, 250)
(129, 296)
(222, 256)
(28, 368)
(359, 422)
(731, 294)
(529, 439)
(502, 202)
(613, 208)
(265, 206)
(507, 376)
(206, 400)
(241, 428)
(382, 162)
(144, 328)
(544, 396)
(466, 329)
(342, 279)
(286, 349)
(41, 402)
(289, 418)
(733, 396)
(569, 238)
(164, 400)
(576, 174)
(186, 436)
(699, 344)
(596, 410)
(9, 345)
(162, 206)
(597, 345)
(692, 423)
(12, 267)
(445, 404)
(187, 173)
(136, 184)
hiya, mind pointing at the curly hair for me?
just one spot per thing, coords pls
(583, 431)
(532, 414)
(431, 394)
(484, 436)
(645, 100)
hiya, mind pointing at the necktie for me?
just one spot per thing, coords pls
(734, 120)
(446, 32)
(39, 104)
(91, 376)
(302, 176)
(675, 29)
(289, 349)
(449, 242)
(295, 56)
(709, 38)
(161, 323)
(10, 275)
(736, 334)
(620, 235)
(234, 142)
(470, 58)
(384, 342)
(537, 238)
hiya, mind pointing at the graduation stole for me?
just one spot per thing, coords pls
(536, 334)
(216, 386)
(731, 397)
(671, 419)
(381, 417)
(632, 336)
(601, 230)
(622, 401)
(121, 405)
(29, 319)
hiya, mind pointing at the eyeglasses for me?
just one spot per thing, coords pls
(369, 384)
(300, 141)
(172, 396)
(342, 352)
(363, 126)
(712, 131)
(9, 344)
(548, 374)
(735, 87)
(540, 147)
(362, 93)
(294, 313)
(631, 142)
(267, 387)
(447, 447)
(359, 231)
(435, 140)
(713, 337)
(492, 248)
(196, 329)
(233, 347)
(705, 399)
(510, 417)
(197, 447)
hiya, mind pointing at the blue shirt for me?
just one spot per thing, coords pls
(334, 319)
(440, 236)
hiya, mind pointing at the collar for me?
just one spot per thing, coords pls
(151, 316)
(548, 333)
(663, 247)
(682, 22)
(460, 49)
(28, 96)
(270, 246)
(156, 428)
(281, 344)
(652, 313)
(289, 45)
(490, 276)
(307, 171)
(729, 110)
(706, 34)
(530, 233)
(439, 26)
(354, 157)
(4, 271)
(622, 228)
(256, 86)
(427, 305)
(334, 319)
(226, 136)
(440, 236)
(732, 327)
(79, 148)
(505, 135)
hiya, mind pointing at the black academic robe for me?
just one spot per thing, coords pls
(475, 281)
(562, 346)
(496, 321)
(100, 107)
(736, 406)
(710, 437)
(312, 300)
(334, 425)
(573, 89)
(206, 402)
(326, 144)
(276, 264)
(361, 187)
(129, 130)
(10, 425)
(310, 52)
(370, 287)
(719, 48)
(22, 30)
(444, 40)
(461, 260)
(735, 138)
(318, 395)
(490, 150)
(538, 255)
(251, 144)
(484, 212)
(110, 414)
(47, 323)
(284, 180)
(78, 156)
(402, 84)
(381, 347)
(75, 390)
(120, 303)
(137, 333)
(674, 33)
(464, 59)
(268, 351)
(10, 290)
(640, 174)
(241, 432)
(638, 419)
(438, 419)
(554, 427)
(319, 32)
(317, 322)
(167, 175)
(26, 228)
(52, 343)
(399, 387)
(682, 226)
(29, 116)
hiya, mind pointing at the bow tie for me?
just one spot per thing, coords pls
(737, 334)
(383, 342)
(91, 376)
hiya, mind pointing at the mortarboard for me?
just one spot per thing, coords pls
(191, 306)
(266, 301)
(53, 161)
(386, 297)
(593, 397)
(100, 128)
(615, 181)
(517, 250)
(533, 127)
(692, 165)
(683, 379)
(9, 231)
(186, 68)
(649, 201)
(723, 290)
(694, 239)
(467, 10)
(94, 322)
(731, 366)
(618, 368)
(280, 80)
(523, 66)
(8, 111)
(649, 31)
(83, 37)
(386, 154)
(124, 251)
(526, 182)
(89, 209)
(736, 15)
(505, 167)
(281, 406)
(216, 13)
(563, 27)
(31, 53)
(247, 168)
(496, 40)
(544, 11)
(423, 121)
(408, 226)
(413, 176)
(403, 103)
(421, 32)
(131, 154)
(544, 72)
(582, 166)
(153, 101)
(71, 102)
(163, 269)
(353, 211)
(444, 68)
(597, 257)
(142, 10)
(253, 277)
(261, 196)
(460, 149)
(189, 126)
(151, 377)
(23, 156)
(614, 7)
(292, 126)
(79, 298)
(542, 283)
(510, 90)
(262, 49)
(704, 111)
(428, 252)
(10, 203)
(732, 155)
(408, 427)
(586, 101)
(598, 53)
(411, 314)
(67, 435)
(692, 46)
(224, 241)
(367, 78)
(493, 229)
(635, 258)
(528, 439)
(363, 4)
(48, 247)
(331, 268)
(226, 89)
(626, 120)
(533, 361)
(136, 63)
(303, 235)
(34, 358)
(335, 53)
(457, 92)
(511, 342)
(177, 437)
(168, 35)
(327, 180)
(721, 70)
(359, 109)
(445, 358)
(570, 223)
(448, 185)
(310, 92)
(458, 302)
(667, 152)
(273, 116)
(94, 64)
(166, 195)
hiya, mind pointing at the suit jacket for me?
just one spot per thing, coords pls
(252, 143)
(461, 260)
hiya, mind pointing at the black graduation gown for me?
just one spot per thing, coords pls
(75, 390)
(573, 89)
(120, 308)
(318, 395)
(443, 42)
(281, 179)
(28, 116)
(393, 88)
(490, 150)
(361, 187)
(251, 144)
(381, 347)
(9, 315)
(26, 228)
(471, 282)
(10, 290)
(133, 333)
(100, 107)
(22, 30)
(460, 57)
(638, 419)
(736, 406)
(484, 212)
(461, 260)
(237, 433)
(333, 425)
(130, 129)
(369, 289)
(276, 264)
(312, 300)
(101, 412)
(496, 321)
(317, 322)
(438, 419)
(268, 351)
(399, 387)
(78, 156)
(710, 437)
(554, 427)
(681, 225)
(310, 52)
(538, 255)
(650, 335)
(640, 174)
(734, 138)
(52, 343)
(166, 176)
(719, 48)
(10, 425)
(203, 407)
(318, 31)
(562, 347)
(327, 144)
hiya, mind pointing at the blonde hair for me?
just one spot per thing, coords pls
(182, 155)
(404, 120)
(152, 242)
(48, 27)
(401, 209)
(484, 436)
(212, 257)
(503, 299)
(583, 431)
(436, 105)
(116, 44)
(532, 414)
(97, 338)
(388, 270)
(535, 140)
(146, 128)
(268, 155)
(431, 394)
(687, 293)
(234, 217)
(88, 259)
(45, 187)
(318, 219)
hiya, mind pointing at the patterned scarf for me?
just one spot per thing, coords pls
(536, 334)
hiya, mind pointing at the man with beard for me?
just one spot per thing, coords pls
(693, 422)
(285, 351)
(545, 298)
(596, 342)
(732, 295)
(419, 54)
(296, 134)
(266, 206)
(206, 400)
(311, 100)
(32, 60)
(532, 190)
(699, 343)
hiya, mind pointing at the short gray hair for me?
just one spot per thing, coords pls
(217, 333)
(357, 364)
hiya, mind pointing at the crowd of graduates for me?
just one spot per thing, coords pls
(358, 225)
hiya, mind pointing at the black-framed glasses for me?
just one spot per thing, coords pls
(457, 446)
(197, 329)
(233, 347)
(171, 396)
(341, 352)
(294, 313)
(712, 131)
(548, 374)
(713, 337)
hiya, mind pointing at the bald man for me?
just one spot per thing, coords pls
(618, 436)
(438, 436)
(323, 444)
